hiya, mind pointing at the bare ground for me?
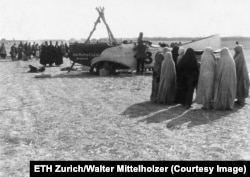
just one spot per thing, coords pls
(78, 116)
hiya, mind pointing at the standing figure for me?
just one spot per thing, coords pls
(33, 48)
(225, 82)
(37, 51)
(181, 53)
(167, 87)
(188, 77)
(58, 55)
(20, 50)
(140, 54)
(25, 51)
(205, 91)
(66, 50)
(175, 54)
(13, 51)
(29, 51)
(156, 75)
(51, 54)
(3, 53)
(44, 54)
(242, 90)
(63, 50)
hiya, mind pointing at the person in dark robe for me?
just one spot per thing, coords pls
(25, 50)
(167, 86)
(181, 53)
(140, 49)
(13, 51)
(33, 47)
(20, 50)
(225, 82)
(140, 56)
(29, 51)
(44, 54)
(242, 90)
(66, 50)
(37, 51)
(51, 54)
(188, 77)
(58, 55)
(24, 56)
(156, 75)
(3, 53)
(175, 54)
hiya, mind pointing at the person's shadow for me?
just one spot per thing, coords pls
(197, 116)
(175, 115)
(142, 109)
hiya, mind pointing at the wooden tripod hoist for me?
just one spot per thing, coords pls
(100, 10)
(112, 40)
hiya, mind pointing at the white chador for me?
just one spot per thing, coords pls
(205, 91)
(225, 81)
(167, 87)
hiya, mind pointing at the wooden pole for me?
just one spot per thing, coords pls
(88, 39)
(101, 14)
(97, 21)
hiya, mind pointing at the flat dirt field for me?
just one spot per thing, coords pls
(78, 116)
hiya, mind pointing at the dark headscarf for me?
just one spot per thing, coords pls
(175, 53)
(189, 62)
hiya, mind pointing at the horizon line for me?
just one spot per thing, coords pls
(72, 38)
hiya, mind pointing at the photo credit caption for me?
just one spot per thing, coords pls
(116, 168)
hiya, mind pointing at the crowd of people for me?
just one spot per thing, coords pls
(24, 51)
(219, 82)
(48, 54)
(53, 54)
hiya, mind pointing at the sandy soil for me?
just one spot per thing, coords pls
(78, 116)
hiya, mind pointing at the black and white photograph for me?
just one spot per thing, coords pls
(123, 80)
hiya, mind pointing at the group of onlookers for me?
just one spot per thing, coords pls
(220, 82)
(53, 54)
(21, 52)
(25, 51)
(48, 54)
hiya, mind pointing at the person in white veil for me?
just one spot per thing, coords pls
(205, 91)
(167, 87)
(225, 82)
(242, 90)
(157, 74)
(181, 53)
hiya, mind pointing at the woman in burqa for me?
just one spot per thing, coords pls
(157, 74)
(225, 82)
(181, 53)
(44, 54)
(167, 87)
(242, 90)
(205, 89)
(175, 53)
(188, 77)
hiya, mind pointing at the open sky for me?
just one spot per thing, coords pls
(65, 19)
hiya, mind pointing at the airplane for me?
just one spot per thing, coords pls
(123, 56)
(114, 56)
